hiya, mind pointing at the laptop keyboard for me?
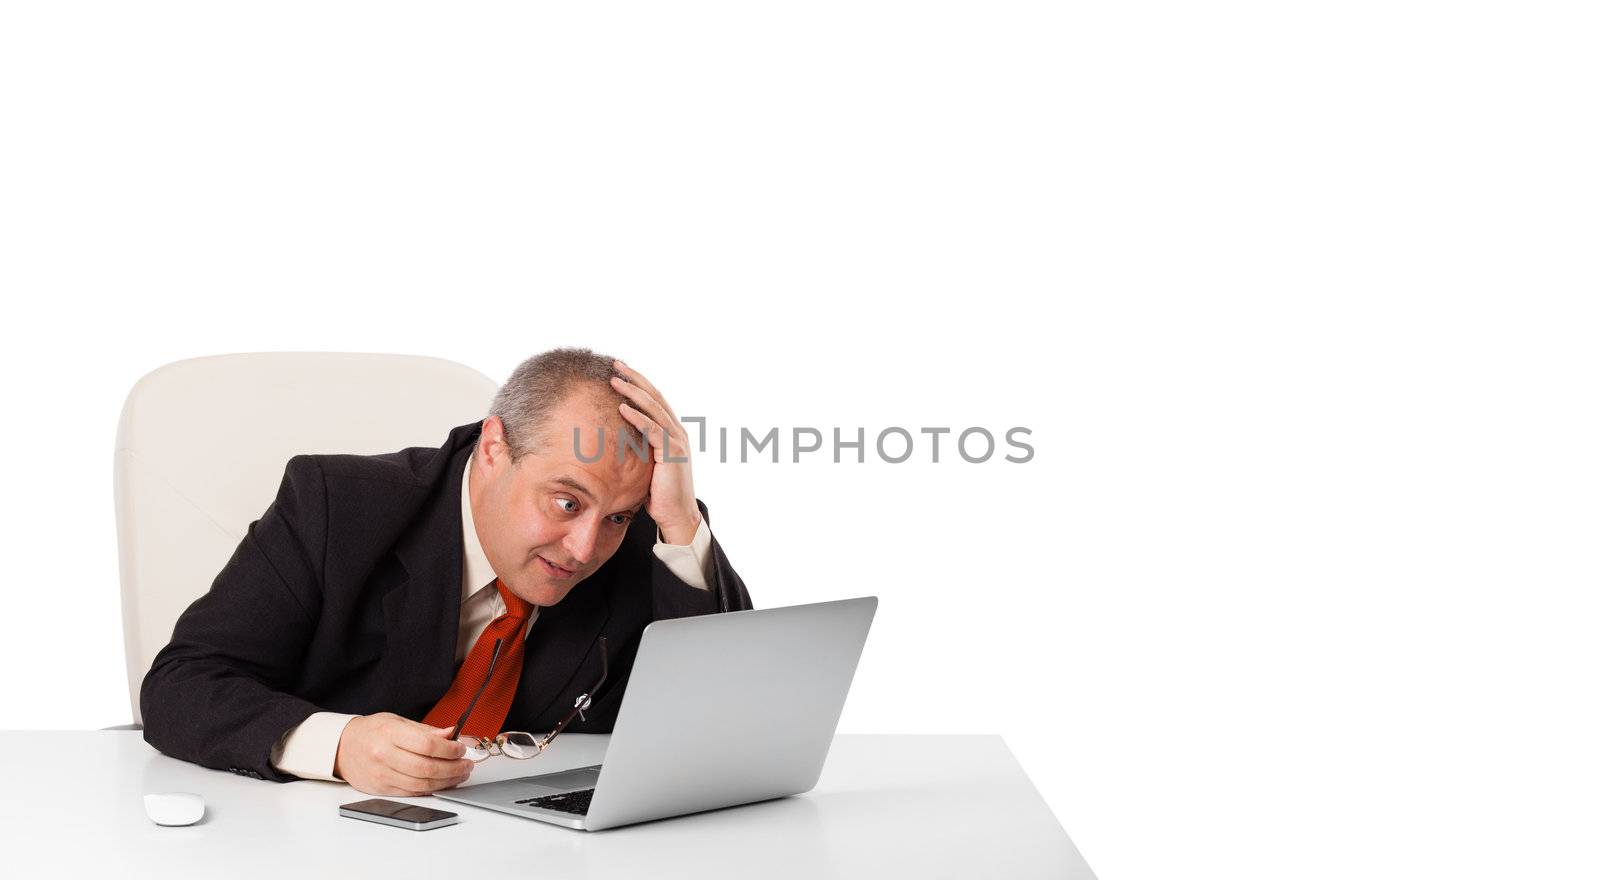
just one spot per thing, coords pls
(576, 802)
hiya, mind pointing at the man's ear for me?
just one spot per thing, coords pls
(492, 441)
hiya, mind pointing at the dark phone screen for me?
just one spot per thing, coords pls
(395, 810)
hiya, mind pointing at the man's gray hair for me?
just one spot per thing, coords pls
(542, 382)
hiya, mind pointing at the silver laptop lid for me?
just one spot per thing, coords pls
(727, 709)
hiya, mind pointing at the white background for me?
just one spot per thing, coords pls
(1297, 300)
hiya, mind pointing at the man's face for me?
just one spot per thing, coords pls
(552, 509)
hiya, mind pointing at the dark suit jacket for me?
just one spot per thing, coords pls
(346, 596)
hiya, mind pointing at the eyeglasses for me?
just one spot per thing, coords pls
(516, 743)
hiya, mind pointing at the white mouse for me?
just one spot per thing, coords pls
(174, 808)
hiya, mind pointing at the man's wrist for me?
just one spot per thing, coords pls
(681, 535)
(310, 750)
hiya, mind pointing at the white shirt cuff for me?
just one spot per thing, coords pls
(308, 750)
(690, 562)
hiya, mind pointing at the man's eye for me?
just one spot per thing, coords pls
(562, 501)
(620, 519)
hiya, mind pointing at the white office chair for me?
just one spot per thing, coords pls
(202, 445)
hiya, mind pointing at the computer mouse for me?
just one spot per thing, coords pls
(174, 808)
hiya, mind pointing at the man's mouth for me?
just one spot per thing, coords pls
(554, 570)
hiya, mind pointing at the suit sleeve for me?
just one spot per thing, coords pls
(672, 597)
(215, 695)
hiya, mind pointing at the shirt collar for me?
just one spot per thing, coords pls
(476, 572)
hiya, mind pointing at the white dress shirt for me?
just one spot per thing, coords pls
(309, 749)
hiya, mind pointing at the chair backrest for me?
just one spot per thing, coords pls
(202, 445)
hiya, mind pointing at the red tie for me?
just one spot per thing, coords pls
(491, 709)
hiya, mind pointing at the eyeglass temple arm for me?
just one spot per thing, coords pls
(583, 701)
(494, 657)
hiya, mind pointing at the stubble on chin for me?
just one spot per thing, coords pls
(547, 595)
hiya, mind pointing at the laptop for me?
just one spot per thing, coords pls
(720, 710)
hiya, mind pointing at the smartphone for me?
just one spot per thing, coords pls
(399, 815)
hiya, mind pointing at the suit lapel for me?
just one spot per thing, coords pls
(563, 644)
(423, 614)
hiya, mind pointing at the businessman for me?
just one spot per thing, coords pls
(358, 616)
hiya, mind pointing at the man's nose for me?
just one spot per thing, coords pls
(581, 541)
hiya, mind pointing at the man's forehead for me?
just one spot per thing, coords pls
(576, 440)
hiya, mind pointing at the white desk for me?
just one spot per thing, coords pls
(886, 806)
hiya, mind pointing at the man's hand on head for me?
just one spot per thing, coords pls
(671, 503)
(385, 754)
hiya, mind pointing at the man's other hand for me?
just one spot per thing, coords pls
(385, 754)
